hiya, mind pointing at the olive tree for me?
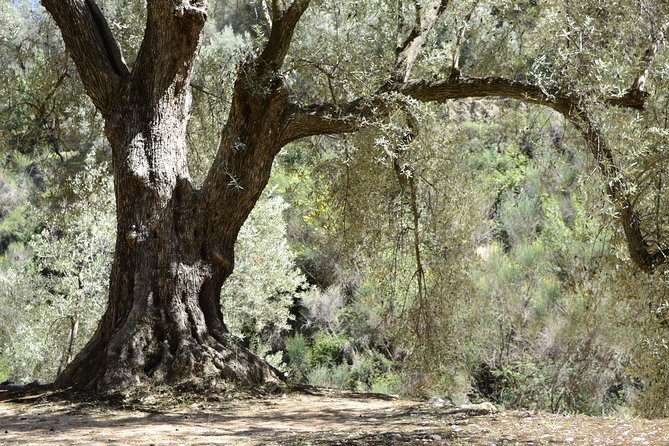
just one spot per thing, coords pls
(175, 239)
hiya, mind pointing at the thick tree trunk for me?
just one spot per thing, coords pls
(163, 323)
(175, 244)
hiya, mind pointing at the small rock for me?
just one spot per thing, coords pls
(480, 409)
(435, 437)
(486, 408)
(441, 401)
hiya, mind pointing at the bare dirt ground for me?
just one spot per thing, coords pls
(318, 417)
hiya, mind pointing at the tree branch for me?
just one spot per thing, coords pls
(455, 64)
(107, 38)
(284, 21)
(406, 55)
(304, 121)
(618, 191)
(571, 107)
(323, 119)
(327, 118)
(639, 84)
(266, 16)
(170, 44)
(92, 46)
(464, 87)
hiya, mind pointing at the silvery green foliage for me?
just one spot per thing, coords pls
(57, 296)
(213, 78)
(325, 309)
(257, 298)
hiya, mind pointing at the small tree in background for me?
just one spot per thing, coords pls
(264, 286)
(53, 299)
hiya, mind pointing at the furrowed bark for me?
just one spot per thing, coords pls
(92, 47)
(163, 322)
(253, 134)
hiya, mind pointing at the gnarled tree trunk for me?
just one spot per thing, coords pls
(175, 244)
(163, 322)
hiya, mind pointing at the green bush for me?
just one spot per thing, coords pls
(5, 369)
(256, 299)
(328, 349)
(337, 377)
(388, 384)
(296, 353)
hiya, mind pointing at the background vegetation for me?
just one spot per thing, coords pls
(484, 261)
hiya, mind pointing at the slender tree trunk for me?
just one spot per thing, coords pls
(72, 339)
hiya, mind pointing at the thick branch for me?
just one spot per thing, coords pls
(571, 108)
(639, 83)
(251, 138)
(461, 88)
(618, 191)
(171, 41)
(107, 38)
(284, 22)
(304, 121)
(266, 16)
(426, 17)
(322, 119)
(92, 46)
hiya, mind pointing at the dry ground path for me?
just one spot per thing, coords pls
(316, 418)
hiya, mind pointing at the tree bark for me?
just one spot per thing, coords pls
(175, 245)
(163, 323)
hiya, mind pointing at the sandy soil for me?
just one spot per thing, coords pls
(319, 418)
